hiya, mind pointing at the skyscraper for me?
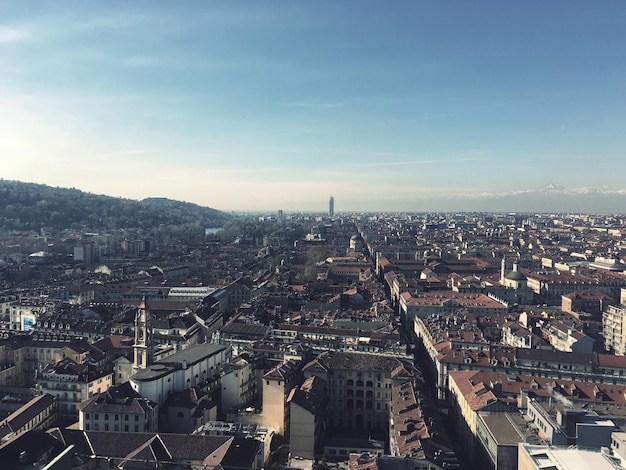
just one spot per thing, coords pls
(331, 206)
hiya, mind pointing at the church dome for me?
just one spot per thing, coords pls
(515, 276)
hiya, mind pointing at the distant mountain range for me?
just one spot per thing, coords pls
(554, 198)
(550, 198)
(32, 206)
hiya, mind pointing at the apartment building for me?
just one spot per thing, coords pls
(71, 383)
(593, 303)
(467, 398)
(119, 408)
(277, 384)
(238, 383)
(564, 337)
(307, 413)
(359, 387)
(551, 287)
(38, 413)
(614, 329)
(443, 302)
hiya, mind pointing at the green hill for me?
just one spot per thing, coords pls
(30, 206)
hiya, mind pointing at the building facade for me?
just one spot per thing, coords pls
(197, 366)
(359, 387)
(614, 329)
(307, 412)
(71, 383)
(119, 408)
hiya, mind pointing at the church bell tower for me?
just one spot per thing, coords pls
(143, 348)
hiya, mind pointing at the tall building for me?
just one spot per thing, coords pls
(331, 206)
(143, 347)
(614, 329)
(307, 409)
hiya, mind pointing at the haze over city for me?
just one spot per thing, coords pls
(276, 105)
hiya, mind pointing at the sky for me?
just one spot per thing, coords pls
(271, 105)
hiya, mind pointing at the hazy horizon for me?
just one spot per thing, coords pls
(278, 105)
(541, 201)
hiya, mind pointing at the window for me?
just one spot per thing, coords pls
(106, 416)
(87, 416)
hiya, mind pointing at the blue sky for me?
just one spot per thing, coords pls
(277, 105)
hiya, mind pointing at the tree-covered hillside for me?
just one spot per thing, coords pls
(30, 206)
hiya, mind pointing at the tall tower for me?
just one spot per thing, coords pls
(331, 206)
(143, 348)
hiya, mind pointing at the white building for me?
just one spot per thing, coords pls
(614, 329)
(24, 314)
(197, 366)
(538, 457)
(238, 383)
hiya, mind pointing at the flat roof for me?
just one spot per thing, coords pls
(503, 428)
(570, 458)
(193, 354)
(167, 365)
